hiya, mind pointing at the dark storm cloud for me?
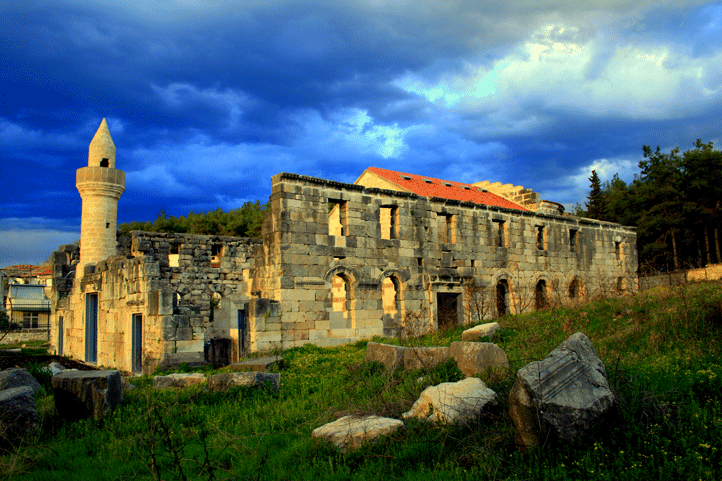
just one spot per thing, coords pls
(207, 100)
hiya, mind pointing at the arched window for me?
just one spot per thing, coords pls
(391, 295)
(502, 298)
(340, 293)
(575, 289)
(540, 294)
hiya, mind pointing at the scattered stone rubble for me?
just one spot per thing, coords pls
(472, 358)
(565, 394)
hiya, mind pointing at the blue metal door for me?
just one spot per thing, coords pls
(137, 343)
(91, 328)
(241, 332)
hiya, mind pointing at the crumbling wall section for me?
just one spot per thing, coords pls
(173, 284)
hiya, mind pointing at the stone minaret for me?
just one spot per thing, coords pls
(100, 185)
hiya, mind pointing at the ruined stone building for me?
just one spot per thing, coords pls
(391, 254)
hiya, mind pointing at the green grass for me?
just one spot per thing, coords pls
(661, 350)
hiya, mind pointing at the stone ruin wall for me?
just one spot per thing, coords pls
(439, 246)
(171, 280)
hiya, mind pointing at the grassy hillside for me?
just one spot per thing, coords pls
(661, 350)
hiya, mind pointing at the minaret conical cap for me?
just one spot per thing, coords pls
(101, 152)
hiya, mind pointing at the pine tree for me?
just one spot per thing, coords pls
(596, 205)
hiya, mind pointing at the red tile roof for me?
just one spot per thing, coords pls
(445, 189)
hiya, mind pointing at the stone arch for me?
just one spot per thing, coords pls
(345, 270)
(576, 289)
(503, 288)
(503, 291)
(541, 294)
(392, 294)
(621, 285)
(341, 292)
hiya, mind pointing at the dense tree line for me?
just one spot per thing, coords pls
(246, 221)
(674, 202)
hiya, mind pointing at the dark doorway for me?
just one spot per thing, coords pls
(502, 296)
(447, 309)
(540, 295)
(91, 328)
(137, 343)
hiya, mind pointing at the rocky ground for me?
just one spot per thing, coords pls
(22, 360)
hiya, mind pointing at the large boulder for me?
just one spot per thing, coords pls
(225, 381)
(18, 377)
(566, 393)
(178, 380)
(80, 394)
(473, 358)
(260, 364)
(17, 413)
(349, 432)
(482, 330)
(453, 402)
(411, 358)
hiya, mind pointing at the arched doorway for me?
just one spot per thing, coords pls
(502, 298)
(540, 295)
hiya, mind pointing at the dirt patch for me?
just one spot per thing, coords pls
(22, 360)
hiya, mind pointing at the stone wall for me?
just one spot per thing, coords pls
(25, 335)
(441, 254)
(710, 272)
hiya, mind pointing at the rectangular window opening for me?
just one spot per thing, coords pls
(540, 238)
(447, 228)
(500, 233)
(337, 217)
(573, 237)
(420, 261)
(618, 249)
(389, 219)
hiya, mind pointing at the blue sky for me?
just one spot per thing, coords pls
(207, 100)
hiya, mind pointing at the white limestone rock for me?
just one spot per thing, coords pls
(566, 393)
(349, 432)
(482, 330)
(178, 380)
(453, 402)
(473, 358)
